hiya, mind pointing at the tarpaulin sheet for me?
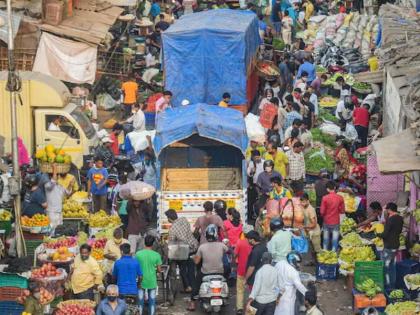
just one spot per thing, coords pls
(66, 59)
(225, 125)
(207, 54)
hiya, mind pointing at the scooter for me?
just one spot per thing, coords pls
(213, 293)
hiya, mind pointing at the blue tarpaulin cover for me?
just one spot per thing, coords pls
(207, 53)
(225, 125)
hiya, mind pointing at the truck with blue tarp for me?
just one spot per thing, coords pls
(200, 152)
(206, 54)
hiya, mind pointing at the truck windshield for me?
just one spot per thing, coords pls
(84, 122)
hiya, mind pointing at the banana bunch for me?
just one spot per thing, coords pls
(80, 195)
(74, 209)
(379, 242)
(369, 287)
(402, 240)
(327, 257)
(351, 239)
(378, 228)
(350, 255)
(101, 219)
(5, 215)
(406, 308)
(396, 294)
(347, 226)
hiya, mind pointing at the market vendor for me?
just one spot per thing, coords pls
(343, 158)
(375, 214)
(85, 274)
(278, 157)
(68, 181)
(32, 304)
(112, 250)
(34, 201)
(279, 191)
(345, 109)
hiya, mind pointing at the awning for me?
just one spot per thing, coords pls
(88, 26)
(225, 125)
(396, 153)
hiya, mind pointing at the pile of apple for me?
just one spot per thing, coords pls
(97, 243)
(45, 296)
(60, 242)
(75, 309)
(47, 270)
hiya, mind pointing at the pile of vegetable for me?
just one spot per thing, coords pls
(351, 239)
(326, 115)
(326, 139)
(320, 69)
(327, 257)
(361, 86)
(314, 162)
(406, 308)
(278, 44)
(347, 225)
(347, 77)
(397, 294)
(369, 287)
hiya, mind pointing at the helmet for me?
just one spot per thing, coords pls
(219, 205)
(268, 163)
(211, 233)
(31, 180)
(276, 224)
(293, 258)
(275, 139)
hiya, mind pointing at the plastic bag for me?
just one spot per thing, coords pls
(137, 190)
(254, 129)
(139, 140)
(300, 244)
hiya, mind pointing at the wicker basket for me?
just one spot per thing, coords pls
(261, 73)
(61, 167)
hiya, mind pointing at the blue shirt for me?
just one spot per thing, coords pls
(309, 68)
(98, 176)
(290, 117)
(262, 25)
(292, 14)
(105, 308)
(32, 203)
(126, 270)
(155, 10)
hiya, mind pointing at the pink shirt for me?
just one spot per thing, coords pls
(161, 104)
(233, 232)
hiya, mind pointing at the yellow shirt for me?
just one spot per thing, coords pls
(65, 182)
(223, 104)
(85, 274)
(111, 248)
(249, 150)
(130, 89)
(309, 10)
(373, 63)
(280, 162)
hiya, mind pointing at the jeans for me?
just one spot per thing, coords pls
(277, 27)
(150, 296)
(187, 272)
(326, 232)
(240, 292)
(362, 133)
(388, 256)
(264, 309)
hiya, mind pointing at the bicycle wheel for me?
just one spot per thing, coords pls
(172, 284)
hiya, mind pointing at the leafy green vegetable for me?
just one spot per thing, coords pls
(320, 69)
(316, 163)
(278, 44)
(319, 136)
(325, 114)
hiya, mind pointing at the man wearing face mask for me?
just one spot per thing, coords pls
(112, 305)
(85, 274)
(112, 250)
(137, 121)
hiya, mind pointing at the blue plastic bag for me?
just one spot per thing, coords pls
(300, 244)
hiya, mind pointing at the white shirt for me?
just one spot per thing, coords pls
(139, 121)
(288, 133)
(347, 114)
(265, 285)
(53, 127)
(93, 109)
(256, 170)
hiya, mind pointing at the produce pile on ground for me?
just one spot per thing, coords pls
(349, 255)
(326, 139)
(406, 308)
(351, 239)
(101, 219)
(314, 162)
(347, 77)
(79, 307)
(326, 115)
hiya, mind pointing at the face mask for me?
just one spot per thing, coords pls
(111, 298)
(268, 169)
(118, 240)
(83, 257)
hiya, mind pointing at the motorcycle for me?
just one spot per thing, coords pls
(213, 294)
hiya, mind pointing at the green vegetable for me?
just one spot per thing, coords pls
(396, 294)
(406, 308)
(361, 86)
(278, 44)
(316, 163)
(319, 136)
(320, 69)
(369, 287)
(312, 197)
(347, 77)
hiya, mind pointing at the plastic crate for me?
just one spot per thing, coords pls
(390, 300)
(31, 245)
(361, 301)
(10, 293)
(6, 226)
(369, 270)
(12, 280)
(11, 308)
(403, 268)
(327, 272)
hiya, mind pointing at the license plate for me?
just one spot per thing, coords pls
(216, 302)
(175, 204)
(230, 203)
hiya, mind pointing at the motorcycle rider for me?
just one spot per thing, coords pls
(220, 208)
(289, 282)
(210, 255)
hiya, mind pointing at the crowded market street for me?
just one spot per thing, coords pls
(209, 157)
